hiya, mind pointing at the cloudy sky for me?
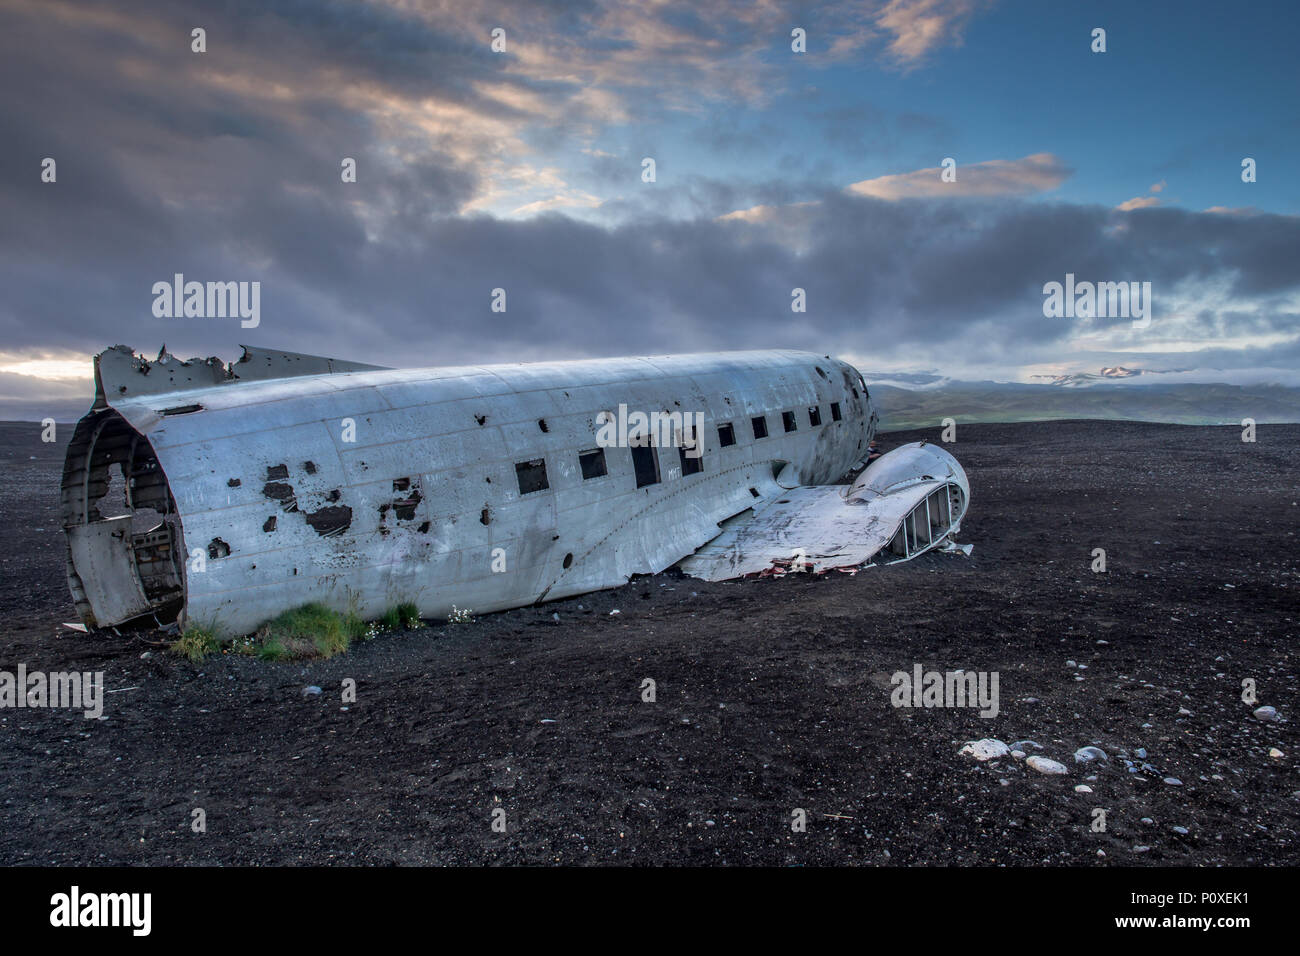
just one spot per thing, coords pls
(522, 169)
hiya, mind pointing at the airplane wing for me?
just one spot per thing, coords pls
(906, 502)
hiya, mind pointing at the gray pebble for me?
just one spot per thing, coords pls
(1089, 754)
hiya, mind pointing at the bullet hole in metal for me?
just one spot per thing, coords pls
(404, 508)
(330, 520)
(281, 492)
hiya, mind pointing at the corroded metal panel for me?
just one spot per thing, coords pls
(111, 587)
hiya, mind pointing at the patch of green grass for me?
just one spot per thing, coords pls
(356, 626)
(312, 630)
(196, 643)
(404, 617)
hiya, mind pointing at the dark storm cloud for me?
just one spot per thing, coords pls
(225, 166)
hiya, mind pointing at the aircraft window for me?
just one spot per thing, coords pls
(532, 476)
(593, 463)
(726, 435)
(691, 465)
(760, 426)
(814, 416)
(646, 465)
(835, 411)
(788, 419)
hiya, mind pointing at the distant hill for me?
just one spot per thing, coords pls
(900, 408)
(1181, 404)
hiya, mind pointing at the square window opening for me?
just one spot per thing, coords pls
(645, 463)
(532, 476)
(692, 460)
(592, 463)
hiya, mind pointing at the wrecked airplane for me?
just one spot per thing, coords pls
(223, 495)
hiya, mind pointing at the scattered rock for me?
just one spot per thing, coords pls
(1026, 745)
(1089, 754)
(1265, 713)
(1274, 752)
(1173, 781)
(1083, 788)
(1045, 765)
(985, 749)
(310, 690)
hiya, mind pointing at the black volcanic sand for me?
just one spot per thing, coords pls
(771, 695)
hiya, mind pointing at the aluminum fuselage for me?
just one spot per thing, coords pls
(370, 489)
